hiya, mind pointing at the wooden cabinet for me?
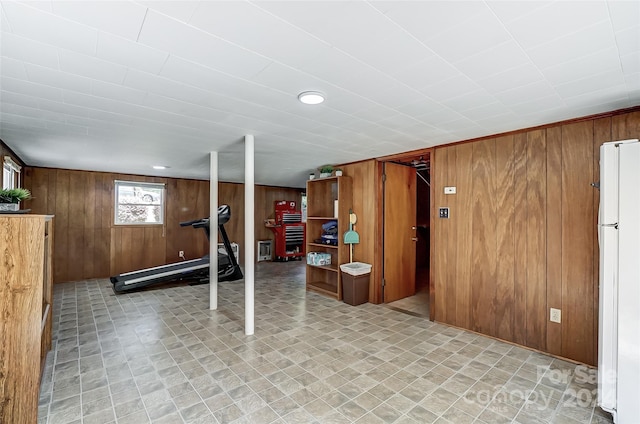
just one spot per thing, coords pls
(25, 312)
(328, 199)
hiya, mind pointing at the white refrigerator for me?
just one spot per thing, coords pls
(619, 314)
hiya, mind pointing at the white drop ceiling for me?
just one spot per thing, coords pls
(121, 86)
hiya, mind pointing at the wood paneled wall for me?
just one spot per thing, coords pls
(88, 245)
(364, 176)
(522, 235)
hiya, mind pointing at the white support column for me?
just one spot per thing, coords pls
(213, 229)
(249, 235)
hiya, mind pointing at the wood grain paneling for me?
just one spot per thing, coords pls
(21, 298)
(461, 301)
(483, 237)
(505, 259)
(451, 293)
(626, 126)
(88, 245)
(399, 232)
(577, 242)
(364, 177)
(533, 234)
(554, 235)
(536, 239)
(520, 241)
(440, 233)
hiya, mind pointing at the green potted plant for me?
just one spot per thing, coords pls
(10, 198)
(338, 172)
(325, 171)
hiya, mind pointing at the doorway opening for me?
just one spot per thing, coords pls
(418, 303)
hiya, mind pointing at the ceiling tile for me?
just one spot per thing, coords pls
(22, 121)
(30, 89)
(12, 68)
(624, 14)
(631, 63)
(429, 71)
(598, 97)
(585, 66)
(450, 88)
(49, 29)
(91, 67)
(117, 92)
(573, 46)
(507, 11)
(395, 94)
(526, 93)
(163, 86)
(628, 40)
(455, 43)
(512, 78)
(29, 51)
(185, 41)
(115, 17)
(373, 38)
(19, 99)
(556, 20)
(270, 37)
(55, 78)
(470, 100)
(424, 20)
(419, 108)
(504, 56)
(129, 53)
(181, 10)
(66, 128)
(591, 83)
(376, 112)
(541, 107)
(64, 108)
(292, 81)
(183, 108)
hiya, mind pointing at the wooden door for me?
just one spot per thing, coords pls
(399, 232)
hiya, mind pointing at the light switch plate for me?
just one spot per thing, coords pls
(449, 190)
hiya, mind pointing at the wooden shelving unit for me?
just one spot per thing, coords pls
(321, 197)
(25, 313)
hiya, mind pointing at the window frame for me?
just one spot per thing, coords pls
(10, 173)
(138, 184)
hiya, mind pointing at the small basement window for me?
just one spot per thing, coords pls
(138, 203)
(10, 174)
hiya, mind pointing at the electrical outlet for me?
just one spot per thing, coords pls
(181, 254)
(555, 315)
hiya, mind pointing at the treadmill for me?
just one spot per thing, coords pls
(195, 269)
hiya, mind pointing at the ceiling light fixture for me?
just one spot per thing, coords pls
(159, 167)
(311, 97)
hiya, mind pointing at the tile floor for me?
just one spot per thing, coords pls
(416, 305)
(161, 356)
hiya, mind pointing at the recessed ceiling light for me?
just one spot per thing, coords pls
(159, 167)
(311, 97)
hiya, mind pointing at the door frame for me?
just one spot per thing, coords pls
(404, 157)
